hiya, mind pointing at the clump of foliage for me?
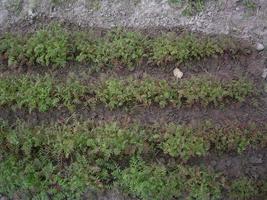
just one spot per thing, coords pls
(159, 182)
(12, 49)
(243, 189)
(54, 46)
(62, 160)
(250, 4)
(207, 90)
(86, 46)
(191, 6)
(38, 92)
(204, 90)
(27, 92)
(70, 93)
(14, 6)
(233, 138)
(48, 47)
(149, 181)
(117, 93)
(37, 157)
(169, 48)
(45, 92)
(116, 48)
(183, 142)
(202, 184)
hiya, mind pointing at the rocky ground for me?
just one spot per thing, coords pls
(241, 18)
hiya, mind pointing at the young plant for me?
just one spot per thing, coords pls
(12, 49)
(203, 184)
(183, 142)
(40, 93)
(149, 181)
(116, 93)
(126, 48)
(169, 48)
(202, 89)
(116, 48)
(28, 92)
(243, 189)
(48, 47)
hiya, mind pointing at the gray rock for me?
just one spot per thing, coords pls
(256, 159)
(264, 73)
(217, 17)
(265, 87)
(213, 163)
(259, 46)
(228, 163)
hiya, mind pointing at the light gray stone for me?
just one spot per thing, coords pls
(259, 47)
(217, 17)
(264, 73)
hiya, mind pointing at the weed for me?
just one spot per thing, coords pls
(14, 6)
(193, 7)
(250, 4)
(59, 3)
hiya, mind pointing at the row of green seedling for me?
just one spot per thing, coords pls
(55, 46)
(61, 161)
(44, 93)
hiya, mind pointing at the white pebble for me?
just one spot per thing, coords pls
(177, 73)
(264, 74)
(259, 47)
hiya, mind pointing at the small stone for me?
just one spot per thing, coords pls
(264, 74)
(256, 159)
(259, 47)
(228, 163)
(265, 87)
(213, 163)
(178, 73)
